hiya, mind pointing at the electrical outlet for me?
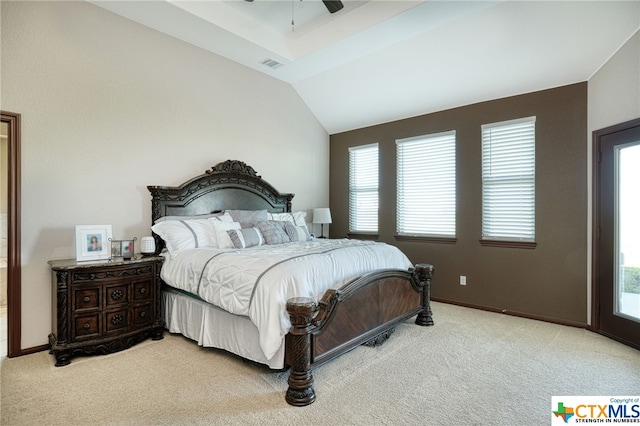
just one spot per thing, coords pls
(463, 280)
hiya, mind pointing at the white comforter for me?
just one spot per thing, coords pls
(256, 282)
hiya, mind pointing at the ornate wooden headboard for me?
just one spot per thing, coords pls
(230, 185)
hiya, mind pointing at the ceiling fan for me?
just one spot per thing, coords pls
(332, 5)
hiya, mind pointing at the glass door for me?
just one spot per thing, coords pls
(627, 215)
(617, 232)
(4, 186)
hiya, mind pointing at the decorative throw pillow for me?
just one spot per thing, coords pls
(248, 218)
(223, 240)
(297, 233)
(273, 232)
(185, 234)
(298, 218)
(246, 237)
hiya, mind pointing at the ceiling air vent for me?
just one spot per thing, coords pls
(271, 63)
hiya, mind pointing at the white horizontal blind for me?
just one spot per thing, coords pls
(508, 180)
(363, 188)
(426, 167)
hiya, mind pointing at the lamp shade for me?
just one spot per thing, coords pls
(147, 246)
(322, 215)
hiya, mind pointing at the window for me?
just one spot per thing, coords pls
(363, 189)
(426, 204)
(508, 180)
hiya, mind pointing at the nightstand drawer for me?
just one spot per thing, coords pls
(86, 298)
(142, 290)
(116, 321)
(117, 294)
(86, 327)
(142, 314)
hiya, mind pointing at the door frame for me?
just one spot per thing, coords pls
(14, 326)
(595, 254)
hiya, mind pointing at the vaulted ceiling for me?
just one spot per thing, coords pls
(376, 61)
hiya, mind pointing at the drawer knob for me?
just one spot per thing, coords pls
(86, 299)
(86, 326)
(143, 290)
(116, 294)
(143, 314)
(117, 319)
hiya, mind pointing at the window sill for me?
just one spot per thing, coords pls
(363, 236)
(509, 244)
(426, 239)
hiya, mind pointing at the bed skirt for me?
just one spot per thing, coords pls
(213, 327)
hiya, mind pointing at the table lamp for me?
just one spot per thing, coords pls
(322, 215)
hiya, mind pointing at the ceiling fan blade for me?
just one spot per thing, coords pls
(333, 5)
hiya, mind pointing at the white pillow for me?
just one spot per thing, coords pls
(223, 217)
(185, 234)
(194, 217)
(223, 240)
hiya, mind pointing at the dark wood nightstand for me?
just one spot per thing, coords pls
(104, 307)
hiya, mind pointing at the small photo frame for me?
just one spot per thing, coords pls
(92, 242)
(116, 249)
(127, 249)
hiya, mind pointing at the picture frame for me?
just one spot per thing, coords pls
(92, 242)
(116, 248)
(127, 249)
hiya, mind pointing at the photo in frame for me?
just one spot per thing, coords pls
(116, 248)
(92, 242)
(127, 249)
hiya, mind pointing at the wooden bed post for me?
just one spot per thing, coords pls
(423, 273)
(301, 311)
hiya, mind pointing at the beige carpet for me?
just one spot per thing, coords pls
(472, 367)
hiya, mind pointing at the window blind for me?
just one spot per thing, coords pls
(363, 188)
(508, 180)
(426, 185)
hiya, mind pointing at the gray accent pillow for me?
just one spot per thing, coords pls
(247, 237)
(298, 218)
(248, 218)
(297, 233)
(273, 232)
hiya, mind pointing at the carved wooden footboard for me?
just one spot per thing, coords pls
(365, 311)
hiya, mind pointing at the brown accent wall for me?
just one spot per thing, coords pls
(549, 281)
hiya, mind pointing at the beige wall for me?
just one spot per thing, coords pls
(109, 106)
(614, 91)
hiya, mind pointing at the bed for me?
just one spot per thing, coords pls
(242, 273)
